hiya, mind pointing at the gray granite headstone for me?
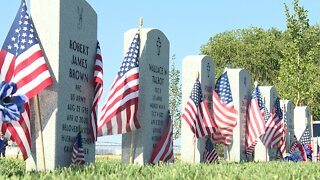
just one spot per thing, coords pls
(68, 32)
(261, 153)
(288, 107)
(193, 64)
(240, 84)
(153, 95)
(302, 120)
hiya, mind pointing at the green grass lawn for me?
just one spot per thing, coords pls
(113, 169)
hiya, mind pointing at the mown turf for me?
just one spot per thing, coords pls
(113, 169)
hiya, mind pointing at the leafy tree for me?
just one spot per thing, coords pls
(175, 98)
(288, 59)
(253, 48)
(299, 68)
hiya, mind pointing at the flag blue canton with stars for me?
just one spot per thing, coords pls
(256, 94)
(22, 34)
(223, 88)
(278, 108)
(196, 93)
(131, 59)
(305, 138)
(209, 145)
(266, 114)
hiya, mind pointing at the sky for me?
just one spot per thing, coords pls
(187, 24)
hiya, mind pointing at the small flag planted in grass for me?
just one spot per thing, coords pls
(77, 151)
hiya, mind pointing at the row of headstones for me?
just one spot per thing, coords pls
(240, 82)
(68, 33)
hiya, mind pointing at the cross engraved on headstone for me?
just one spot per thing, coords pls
(158, 46)
(80, 12)
(208, 69)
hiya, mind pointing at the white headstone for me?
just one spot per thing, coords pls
(153, 95)
(192, 65)
(269, 96)
(301, 120)
(288, 108)
(240, 84)
(68, 32)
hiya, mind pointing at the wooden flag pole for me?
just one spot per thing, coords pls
(194, 149)
(283, 126)
(265, 113)
(194, 137)
(133, 133)
(38, 120)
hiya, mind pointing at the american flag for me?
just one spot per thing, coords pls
(77, 151)
(98, 82)
(210, 154)
(197, 114)
(283, 141)
(274, 127)
(256, 122)
(305, 137)
(225, 115)
(293, 145)
(164, 149)
(119, 114)
(22, 62)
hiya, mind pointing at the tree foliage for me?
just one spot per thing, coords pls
(299, 68)
(288, 59)
(175, 98)
(253, 48)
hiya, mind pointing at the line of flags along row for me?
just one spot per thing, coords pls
(22, 62)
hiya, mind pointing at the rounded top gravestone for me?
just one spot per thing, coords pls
(67, 30)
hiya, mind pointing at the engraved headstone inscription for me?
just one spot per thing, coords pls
(68, 33)
(192, 149)
(153, 95)
(240, 84)
(288, 111)
(269, 96)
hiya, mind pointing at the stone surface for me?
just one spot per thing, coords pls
(287, 107)
(240, 84)
(301, 120)
(68, 32)
(269, 96)
(190, 152)
(153, 94)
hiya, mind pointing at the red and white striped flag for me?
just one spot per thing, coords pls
(225, 115)
(274, 127)
(282, 143)
(256, 122)
(22, 62)
(197, 114)
(210, 154)
(77, 151)
(293, 145)
(164, 149)
(98, 82)
(119, 114)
